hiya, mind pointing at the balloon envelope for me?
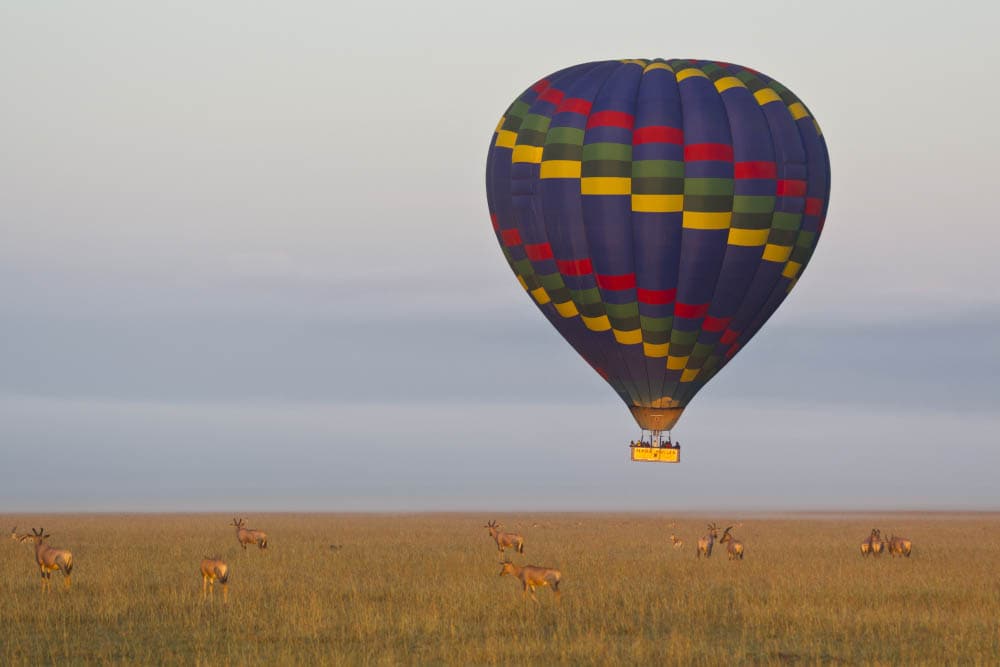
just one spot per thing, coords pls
(658, 212)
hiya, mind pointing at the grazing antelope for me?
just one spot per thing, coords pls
(19, 537)
(212, 570)
(249, 535)
(676, 541)
(733, 546)
(505, 540)
(532, 576)
(706, 542)
(899, 546)
(50, 559)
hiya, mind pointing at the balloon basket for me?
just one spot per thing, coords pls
(656, 454)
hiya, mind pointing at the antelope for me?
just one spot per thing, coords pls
(532, 576)
(505, 540)
(19, 537)
(212, 570)
(706, 542)
(249, 535)
(873, 544)
(900, 546)
(50, 559)
(733, 546)
(676, 541)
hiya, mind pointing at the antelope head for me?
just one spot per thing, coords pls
(508, 568)
(38, 536)
(239, 523)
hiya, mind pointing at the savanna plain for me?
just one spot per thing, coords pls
(424, 589)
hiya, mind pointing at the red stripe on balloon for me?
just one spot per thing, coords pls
(624, 281)
(538, 252)
(574, 105)
(814, 206)
(611, 119)
(715, 152)
(791, 188)
(755, 170)
(552, 95)
(729, 337)
(574, 267)
(511, 237)
(714, 324)
(691, 310)
(493, 219)
(658, 134)
(540, 85)
(656, 297)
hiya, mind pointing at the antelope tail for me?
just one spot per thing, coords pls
(65, 564)
(223, 578)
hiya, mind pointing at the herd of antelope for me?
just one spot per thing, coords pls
(706, 542)
(213, 568)
(875, 544)
(530, 576)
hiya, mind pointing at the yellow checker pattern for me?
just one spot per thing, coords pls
(633, 337)
(727, 82)
(525, 153)
(777, 253)
(748, 238)
(560, 169)
(703, 220)
(658, 203)
(656, 350)
(766, 96)
(606, 185)
(567, 309)
(690, 72)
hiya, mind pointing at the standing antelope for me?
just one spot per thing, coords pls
(899, 546)
(733, 546)
(50, 559)
(676, 541)
(505, 540)
(249, 535)
(212, 570)
(532, 576)
(873, 544)
(706, 542)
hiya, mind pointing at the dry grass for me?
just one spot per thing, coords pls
(419, 589)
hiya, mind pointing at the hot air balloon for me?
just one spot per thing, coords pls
(657, 212)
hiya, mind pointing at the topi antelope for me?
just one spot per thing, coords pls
(19, 537)
(706, 542)
(212, 570)
(532, 576)
(899, 546)
(249, 535)
(50, 559)
(676, 541)
(505, 540)
(733, 546)
(876, 542)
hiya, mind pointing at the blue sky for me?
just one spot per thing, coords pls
(246, 263)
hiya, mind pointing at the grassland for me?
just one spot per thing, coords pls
(423, 589)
